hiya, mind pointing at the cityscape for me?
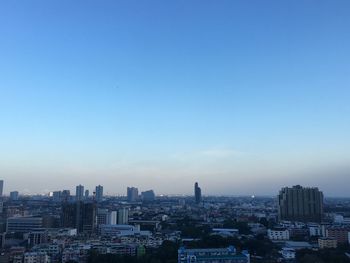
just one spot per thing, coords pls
(183, 131)
(143, 227)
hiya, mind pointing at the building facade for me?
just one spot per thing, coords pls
(300, 204)
(212, 255)
(197, 193)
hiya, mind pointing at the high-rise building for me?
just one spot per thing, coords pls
(14, 195)
(65, 195)
(197, 193)
(79, 192)
(112, 219)
(148, 196)
(123, 216)
(99, 193)
(300, 204)
(102, 216)
(80, 215)
(132, 194)
(56, 196)
(1, 187)
(87, 193)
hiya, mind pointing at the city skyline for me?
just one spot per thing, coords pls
(243, 98)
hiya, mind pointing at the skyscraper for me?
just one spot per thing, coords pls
(300, 204)
(79, 192)
(99, 193)
(123, 216)
(197, 193)
(80, 215)
(87, 193)
(132, 194)
(1, 187)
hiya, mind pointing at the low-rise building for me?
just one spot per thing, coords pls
(278, 234)
(211, 255)
(326, 242)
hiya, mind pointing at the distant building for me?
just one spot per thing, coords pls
(102, 216)
(278, 234)
(31, 257)
(24, 224)
(341, 234)
(121, 230)
(14, 196)
(1, 187)
(65, 195)
(56, 196)
(212, 255)
(79, 215)
(79, 192)
(148, 196)
(327, 242)
(197, 193)
(123, 216)
(225, 232)
(37, 237)
(87, 193)
(105, 217)
(300, 204)
(113, 217)
(99, 193)
(132, 194)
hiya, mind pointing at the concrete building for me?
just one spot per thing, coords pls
(87, 194)
(14, 195)
(278, 234)
(79, 192)
(148, 196)
(113, 217)
(1, 187)
(102, 216)
(300, 204)
(99, 193)
(123, 216)
(56, 196)
(36, 257)
(197, 193)
(341, 234)
(212, 255)
(79, 215)
(24, 224)
(326, 242)
(132, 194)
(65, 195)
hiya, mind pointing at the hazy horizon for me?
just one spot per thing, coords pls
(243, 97)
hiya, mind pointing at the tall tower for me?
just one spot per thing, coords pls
(299, 203)
(1, 187)
(79, 192)
(99, 193)
(197, 193)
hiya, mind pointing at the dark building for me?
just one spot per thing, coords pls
(197, 193)
(132, 194)
(148, 196)
(80, 215)
(300, 204)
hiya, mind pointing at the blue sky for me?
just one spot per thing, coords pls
(243, 96)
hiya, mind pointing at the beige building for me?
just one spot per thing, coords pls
(326, 242)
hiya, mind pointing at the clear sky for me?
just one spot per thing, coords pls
(242, 96)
